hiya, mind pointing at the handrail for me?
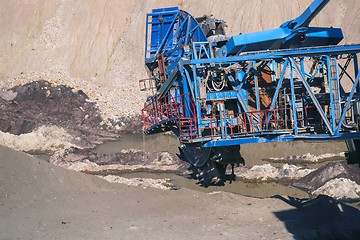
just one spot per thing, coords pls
(167, 107)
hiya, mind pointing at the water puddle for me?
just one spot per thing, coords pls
(259, 190)
(146, 143)
(254, 154)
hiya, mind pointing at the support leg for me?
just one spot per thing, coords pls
(353, 154)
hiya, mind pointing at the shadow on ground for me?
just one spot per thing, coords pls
(320, 218)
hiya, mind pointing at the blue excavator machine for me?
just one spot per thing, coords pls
(216, 93)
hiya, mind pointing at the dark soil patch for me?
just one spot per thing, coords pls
(40, 103)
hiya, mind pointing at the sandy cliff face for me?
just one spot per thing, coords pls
(97, 46)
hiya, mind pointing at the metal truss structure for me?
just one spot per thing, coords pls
(216, 93)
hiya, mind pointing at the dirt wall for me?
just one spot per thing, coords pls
(97, 46)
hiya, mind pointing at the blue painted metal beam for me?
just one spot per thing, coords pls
(291, 34)
(293, 100)
(281, 138)
(279, 84)
(312, 96)
(307, 16)
(281, 54)
(347, 104)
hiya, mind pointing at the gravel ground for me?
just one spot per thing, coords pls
(41, 201)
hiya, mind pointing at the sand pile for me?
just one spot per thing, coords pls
(42, 116)
(44, 139)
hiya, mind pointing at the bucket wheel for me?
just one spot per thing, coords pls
(209, 165)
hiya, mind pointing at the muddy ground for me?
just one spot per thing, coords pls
(39, 200)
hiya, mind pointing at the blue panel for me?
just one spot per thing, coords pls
(221, 95)
(169, 29)
(269, 39)
(160, 10)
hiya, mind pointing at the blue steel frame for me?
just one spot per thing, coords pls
(169, 31)
(293, 62)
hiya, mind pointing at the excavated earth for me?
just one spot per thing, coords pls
(27, 107)
(87, 160)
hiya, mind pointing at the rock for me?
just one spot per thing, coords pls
(8, 95)
(339, 188)
(293, 172)
(330, 171)
(165, 159)
(267, 172)
(164, 184)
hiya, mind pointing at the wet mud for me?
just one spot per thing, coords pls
(257, 178)
(123, 160)
(147, 143)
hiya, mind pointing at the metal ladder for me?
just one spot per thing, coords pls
(334, 82)
(187, 128)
